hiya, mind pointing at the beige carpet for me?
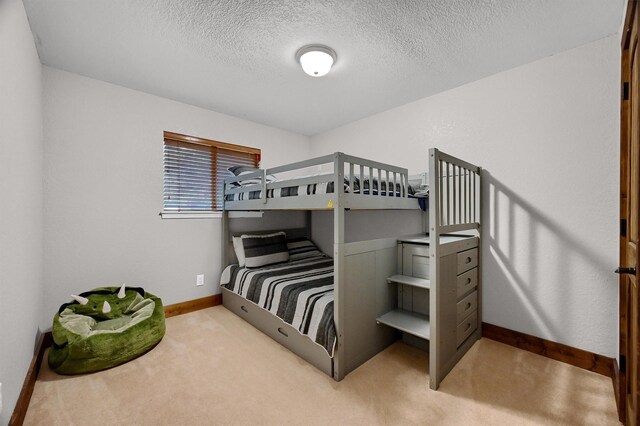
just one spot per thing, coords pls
(214, 368)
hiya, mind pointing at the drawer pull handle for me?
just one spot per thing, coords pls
(281, 331)
(468, 281)
(244, 309)
(468, 306)
(468, 327)
(468, 260)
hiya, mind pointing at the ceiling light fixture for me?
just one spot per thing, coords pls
(316, 60)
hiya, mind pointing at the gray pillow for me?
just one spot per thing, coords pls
(263, 250)
(243, 170)
(237, 170)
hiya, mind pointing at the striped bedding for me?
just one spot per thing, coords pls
(298, 292)
(290, 191)
(316, 188)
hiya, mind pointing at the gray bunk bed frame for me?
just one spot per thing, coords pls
(361, 269)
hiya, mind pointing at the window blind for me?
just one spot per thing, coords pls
(195, 169)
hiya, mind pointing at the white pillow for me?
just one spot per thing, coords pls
(239, 249)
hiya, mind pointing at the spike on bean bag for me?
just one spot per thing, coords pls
(105, 327)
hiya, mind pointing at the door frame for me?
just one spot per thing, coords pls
(620, 375)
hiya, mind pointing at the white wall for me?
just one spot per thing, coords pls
(21, 219)
(547, 135)
(103, 189)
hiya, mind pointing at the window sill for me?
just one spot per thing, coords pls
(211, 215)
(191, 215)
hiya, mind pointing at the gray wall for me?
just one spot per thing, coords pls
(21, 219)
(365, 225)
(103, 189)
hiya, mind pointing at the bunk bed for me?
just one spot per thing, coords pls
(359, 290)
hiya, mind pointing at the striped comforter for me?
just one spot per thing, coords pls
(289, 191)
(298, 292)
(319, 188)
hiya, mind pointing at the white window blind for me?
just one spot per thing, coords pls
(195, 169)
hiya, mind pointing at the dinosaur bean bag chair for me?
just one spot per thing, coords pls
(105, 327)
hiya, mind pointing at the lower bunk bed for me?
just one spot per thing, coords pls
(293, 301)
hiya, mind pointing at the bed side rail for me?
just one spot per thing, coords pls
(354, 169)
(317, 161)
(368, 170)
(455, 188)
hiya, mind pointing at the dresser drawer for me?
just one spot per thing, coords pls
(467, 282)
(467, 260)
(466, 306)
(466, 327)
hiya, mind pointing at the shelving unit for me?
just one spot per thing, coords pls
(408, 280)
(444, 318)
(409, 322)
(412, 314)
(403, 318)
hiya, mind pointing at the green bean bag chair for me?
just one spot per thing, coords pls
(105, 327)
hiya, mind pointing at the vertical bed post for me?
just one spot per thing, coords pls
(339, 267)
(424, 217)
(225, 233)
(478, 207)
(307, 223)
(434, 242)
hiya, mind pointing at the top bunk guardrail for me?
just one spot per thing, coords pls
(455, 184)
(362, 184)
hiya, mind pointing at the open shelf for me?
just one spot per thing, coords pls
(409, 322)
(412, 281)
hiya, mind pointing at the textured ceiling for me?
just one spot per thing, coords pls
(237, 57)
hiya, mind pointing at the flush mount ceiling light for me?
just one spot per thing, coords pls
(316, 60)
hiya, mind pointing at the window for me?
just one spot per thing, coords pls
(195, 169)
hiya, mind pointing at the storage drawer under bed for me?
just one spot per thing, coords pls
(278, 330)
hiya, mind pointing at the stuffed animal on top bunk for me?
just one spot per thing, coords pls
(105, 327)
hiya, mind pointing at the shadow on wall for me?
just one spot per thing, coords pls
(536, 268)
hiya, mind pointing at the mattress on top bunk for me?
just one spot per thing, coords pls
(290, 191)
(298, 292)
(319, 188)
